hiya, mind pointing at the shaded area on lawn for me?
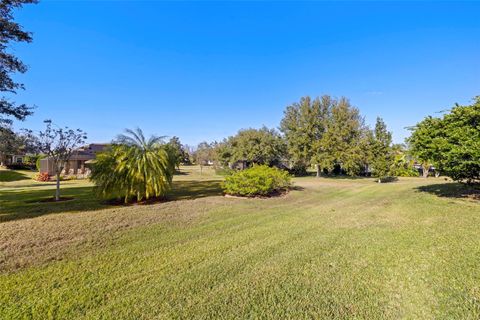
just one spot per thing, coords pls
(194, 189)
(27, 203)
(452, 190)
(10, 175)
(24, 203)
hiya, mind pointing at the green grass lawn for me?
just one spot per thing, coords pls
(332, 248)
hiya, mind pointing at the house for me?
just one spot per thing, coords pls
(14, 159)
(78, 161)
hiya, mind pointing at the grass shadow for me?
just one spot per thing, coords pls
(452, 190)
(24, 203)
(17, 204)
(195, 189)
(10, 175)
(344, 177)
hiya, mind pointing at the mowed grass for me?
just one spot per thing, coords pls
(333, 248)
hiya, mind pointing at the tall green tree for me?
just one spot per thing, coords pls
(452, 142)
(343, 143)
(11, 32)
(303, 124)
(257, 146)
(134, 168)
(382, 153)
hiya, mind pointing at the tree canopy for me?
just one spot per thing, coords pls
(303, 123)
(451, 142)
(326, 132)
(11, 32)
(255, 146)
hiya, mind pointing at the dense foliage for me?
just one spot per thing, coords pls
(403, 162)
(259, 180)
(10, 32)
(254, 146)
(134, 168)
(451, 143)
(178, 151)
(328, 133)
(302, 125)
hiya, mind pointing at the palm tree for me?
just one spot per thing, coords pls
(134, 167)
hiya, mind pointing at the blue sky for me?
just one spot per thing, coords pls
(203, 70)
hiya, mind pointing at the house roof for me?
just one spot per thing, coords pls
(88, 152)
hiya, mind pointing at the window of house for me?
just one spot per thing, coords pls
(19, 160)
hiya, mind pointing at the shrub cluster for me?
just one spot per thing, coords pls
(405, 172)
(42, 176)
(387, 179)
(18, 166)
(260, 180)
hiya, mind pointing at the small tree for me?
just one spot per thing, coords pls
(204, 154)
(58, 144)
(383, 157)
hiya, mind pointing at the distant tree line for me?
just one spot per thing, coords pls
(326, 133)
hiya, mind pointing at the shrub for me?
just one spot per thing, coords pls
(406, 172)
(258, 180)
(387, 179)
(42, 176)
(18, 166)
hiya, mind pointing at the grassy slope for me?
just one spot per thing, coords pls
(336, 249)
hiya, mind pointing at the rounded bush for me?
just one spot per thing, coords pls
(257, 181)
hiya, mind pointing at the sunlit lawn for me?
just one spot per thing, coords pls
(332, 248)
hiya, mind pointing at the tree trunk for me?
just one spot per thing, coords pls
(318, 170)
(57, 192)
(426, 168)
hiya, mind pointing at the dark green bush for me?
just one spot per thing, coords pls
(387, 179)
(259, 180)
